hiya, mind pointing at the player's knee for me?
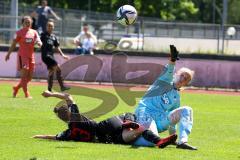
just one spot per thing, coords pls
(186, 111)
(57, 68)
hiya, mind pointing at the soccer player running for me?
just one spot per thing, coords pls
(50, 41)
(42, 15)
(160, 106)
(120, 129)
(26, 38)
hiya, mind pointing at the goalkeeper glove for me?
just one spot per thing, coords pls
(174, 53)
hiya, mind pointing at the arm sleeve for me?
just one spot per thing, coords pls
(167, 74)
(63, 136)
(17, 37)
(73, 108)
(56, 42)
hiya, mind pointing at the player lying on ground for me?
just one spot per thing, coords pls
(160, 105)
(26, 38)
(118, 129)
(50, 41)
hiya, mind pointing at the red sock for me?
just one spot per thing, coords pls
(16, 88)
(24, 86)
(28, 94)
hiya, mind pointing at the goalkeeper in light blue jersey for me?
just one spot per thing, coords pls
(160, 110)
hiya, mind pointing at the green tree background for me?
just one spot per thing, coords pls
(169, 10)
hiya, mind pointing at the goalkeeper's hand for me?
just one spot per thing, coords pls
(174, 53)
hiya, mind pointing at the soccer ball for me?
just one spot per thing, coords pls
(126, 15)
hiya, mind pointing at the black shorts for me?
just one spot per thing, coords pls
(49, 61)
(110, 130)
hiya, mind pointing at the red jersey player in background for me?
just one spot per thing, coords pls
(26, 38)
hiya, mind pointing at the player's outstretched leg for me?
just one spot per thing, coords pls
(184, 117)
(160, 142)
(25, 87)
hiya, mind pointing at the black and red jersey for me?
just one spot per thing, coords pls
(81, 128)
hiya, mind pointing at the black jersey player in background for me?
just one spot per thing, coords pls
(121, 129)
(50, 42)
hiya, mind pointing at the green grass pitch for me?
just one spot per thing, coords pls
(215, 131)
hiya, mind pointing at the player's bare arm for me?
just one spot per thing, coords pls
(12, 47)
(62, 54)
(50, 137)
(64, 96)
(55, 15)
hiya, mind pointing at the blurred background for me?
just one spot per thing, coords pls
(206, 32)
(195, 26)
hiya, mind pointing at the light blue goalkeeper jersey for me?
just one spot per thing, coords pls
(161, 98)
